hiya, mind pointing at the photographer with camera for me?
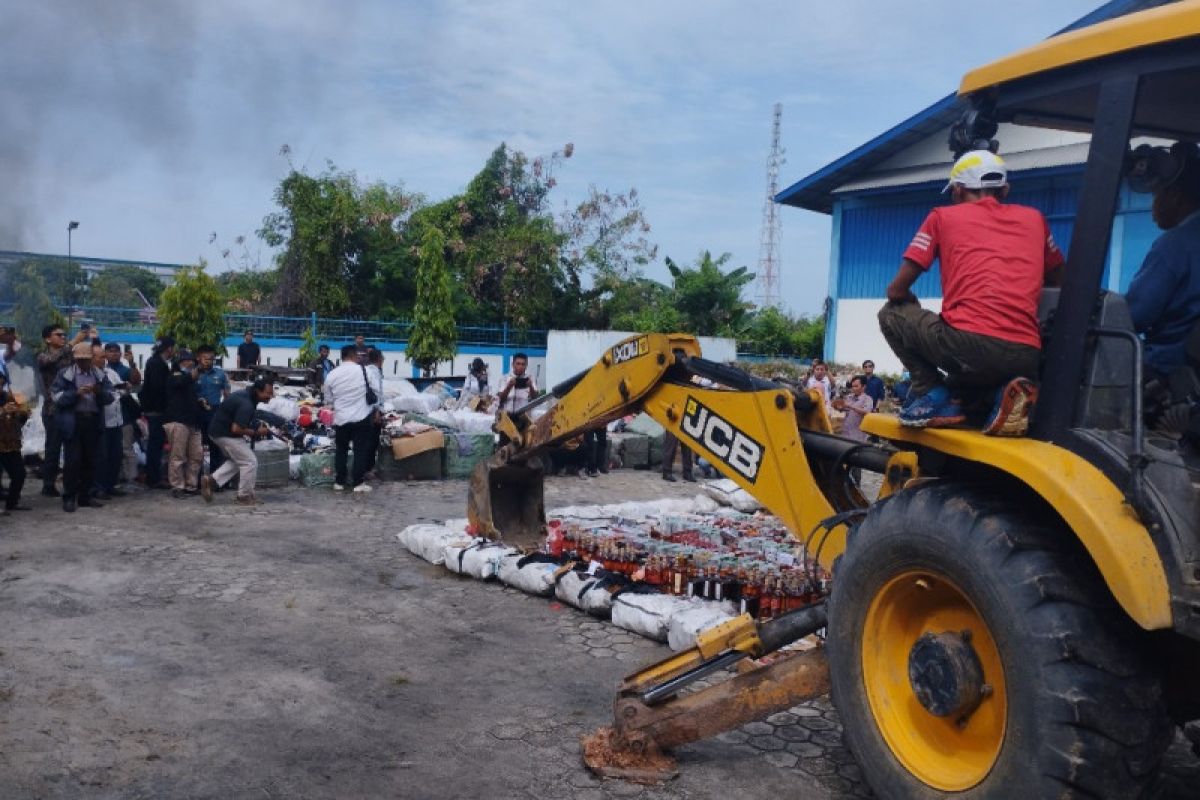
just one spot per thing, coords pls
(519, 388)
(231, 424)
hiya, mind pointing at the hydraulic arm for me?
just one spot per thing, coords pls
(758, 433)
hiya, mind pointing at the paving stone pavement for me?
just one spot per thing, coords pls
(160, 649)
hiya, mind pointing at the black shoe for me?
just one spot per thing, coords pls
(118, 492)
(100, 494)
(667, 476)
(88, 502)
(50, 491)
(690, 478)
(69, 505)
(178, 494)
(592, 473)
(604, 469)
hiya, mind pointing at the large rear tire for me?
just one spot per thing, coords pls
(1067, 706)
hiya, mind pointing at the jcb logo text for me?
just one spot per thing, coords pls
(722, 439)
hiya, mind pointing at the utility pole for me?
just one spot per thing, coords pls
(768, 253)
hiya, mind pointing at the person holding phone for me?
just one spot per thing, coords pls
(108, 462)
(519, 387)
(123, 363)
(79, 394)
(52, 360)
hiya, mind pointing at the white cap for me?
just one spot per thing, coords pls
(978, 169)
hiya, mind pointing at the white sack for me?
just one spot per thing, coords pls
(420, 403)
(687, 623)
(535, 578)
(480, 559)
(398, 387)
(294, 466)
(580, 590)
(648, 615)
(728, 493)
(430, 541)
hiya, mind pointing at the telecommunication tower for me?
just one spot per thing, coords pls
(768, 253)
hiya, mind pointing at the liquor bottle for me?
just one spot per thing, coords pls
(677, 576)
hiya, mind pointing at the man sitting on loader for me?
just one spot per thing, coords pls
(1164, 297)
(995, 259)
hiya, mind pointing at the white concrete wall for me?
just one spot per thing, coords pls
(858, 338)
(570, 352)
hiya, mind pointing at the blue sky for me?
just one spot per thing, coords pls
(157, 124)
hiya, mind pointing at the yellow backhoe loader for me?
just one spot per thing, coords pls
(1008, 618)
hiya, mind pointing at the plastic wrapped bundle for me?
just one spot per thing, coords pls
(634, 449)
(430, 541)
(316, 469)
(480, 558)
(654, 433)
(465, 450)
(532, 574)
(648, 615)
(700, 615)
(728, 493)
(586, 592)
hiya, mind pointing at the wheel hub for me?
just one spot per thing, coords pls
(945, 674)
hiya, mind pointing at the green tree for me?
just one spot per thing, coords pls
(247, 291)
(192, 310)
(332, 229)
(709, 299)
(772, 332)
(433, 332)
(118, 287)
(308, 348)
(33, 307)
(63, 282)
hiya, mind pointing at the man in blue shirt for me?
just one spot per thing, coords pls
(212, 387)
(874, 385)
(1164, 297)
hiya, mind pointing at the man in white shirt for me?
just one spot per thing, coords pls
(346, 393)
(819, 379)
(519, 388)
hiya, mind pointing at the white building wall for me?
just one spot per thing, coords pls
(858, 337)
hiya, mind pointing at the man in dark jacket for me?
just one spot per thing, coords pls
(55, 358)
(79, 394)
(154, 403)
(181, 423)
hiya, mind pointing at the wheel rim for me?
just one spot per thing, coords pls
(947, 753)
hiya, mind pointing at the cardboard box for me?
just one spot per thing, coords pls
(406, 446)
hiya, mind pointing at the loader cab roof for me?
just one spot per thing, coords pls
(1055, 84)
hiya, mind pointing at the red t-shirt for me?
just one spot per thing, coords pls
(994, 257)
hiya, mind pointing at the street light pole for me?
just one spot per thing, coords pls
(72, 225)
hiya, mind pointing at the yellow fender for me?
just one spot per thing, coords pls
(1082, 495)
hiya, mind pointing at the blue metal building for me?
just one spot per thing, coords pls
(878, 194)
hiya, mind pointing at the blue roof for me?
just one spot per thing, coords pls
(21, 255)
(815, 192)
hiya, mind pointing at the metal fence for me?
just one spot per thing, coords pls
(118, 321)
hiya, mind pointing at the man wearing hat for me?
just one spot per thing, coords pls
(55, 357)
(79, 394)
(995, 259)
(153, 398)
(475, 391)
(1164, 297)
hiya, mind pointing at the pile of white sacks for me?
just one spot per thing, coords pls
(662, 617)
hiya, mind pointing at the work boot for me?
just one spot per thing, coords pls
(670, 477)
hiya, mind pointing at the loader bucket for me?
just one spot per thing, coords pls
(505, 501)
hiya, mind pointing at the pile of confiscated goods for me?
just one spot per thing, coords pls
(666, 569)
(424, 436)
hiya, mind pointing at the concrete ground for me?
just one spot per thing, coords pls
(161, 648)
